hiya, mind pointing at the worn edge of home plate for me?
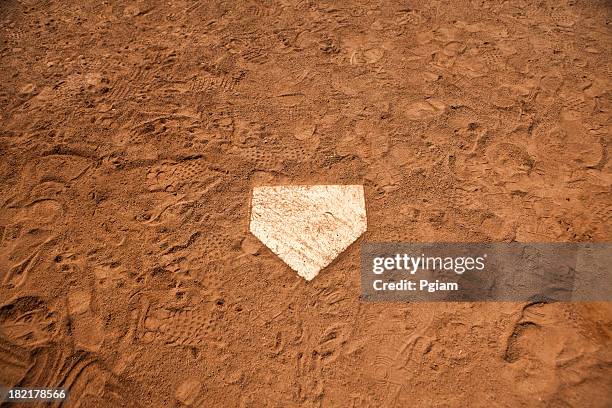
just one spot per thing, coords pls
(308, 226)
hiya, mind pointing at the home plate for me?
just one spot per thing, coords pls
(308, 226)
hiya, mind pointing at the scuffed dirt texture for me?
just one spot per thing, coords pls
(133, 132)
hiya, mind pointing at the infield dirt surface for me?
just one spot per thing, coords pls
(133, 133)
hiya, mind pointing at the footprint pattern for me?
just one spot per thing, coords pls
(172, 176)
(28, 321)
(185, 327)
(272, 158)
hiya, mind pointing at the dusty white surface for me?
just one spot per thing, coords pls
(308, 226)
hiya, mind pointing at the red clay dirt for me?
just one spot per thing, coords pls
(133, 132)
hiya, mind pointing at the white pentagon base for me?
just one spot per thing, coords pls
(308, 226)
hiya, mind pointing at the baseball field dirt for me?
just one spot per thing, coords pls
(133, 133)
